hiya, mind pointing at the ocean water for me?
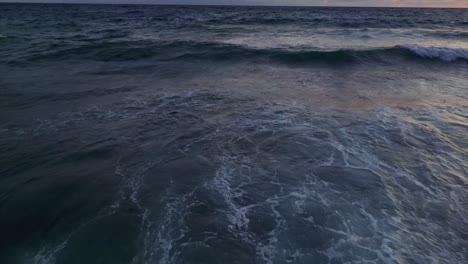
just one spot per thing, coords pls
(175, 134)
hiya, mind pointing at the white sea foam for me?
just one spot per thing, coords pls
(446, 54)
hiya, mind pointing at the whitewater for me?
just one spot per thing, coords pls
(138, 134)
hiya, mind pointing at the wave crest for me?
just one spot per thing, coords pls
(190, 50)
(445, 54)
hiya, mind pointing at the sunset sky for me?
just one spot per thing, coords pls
(393, 3)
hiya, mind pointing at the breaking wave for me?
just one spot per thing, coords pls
(191, 50)
(445, 54)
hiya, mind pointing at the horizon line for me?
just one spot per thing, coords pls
(227, 5)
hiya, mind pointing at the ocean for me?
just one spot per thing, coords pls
(138, 134)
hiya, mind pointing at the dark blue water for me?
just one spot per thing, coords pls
(172, 134)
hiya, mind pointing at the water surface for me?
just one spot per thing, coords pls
(172, 134)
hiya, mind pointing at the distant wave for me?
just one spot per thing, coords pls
(190, 50)
(320, 21)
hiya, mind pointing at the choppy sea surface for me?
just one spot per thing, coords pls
(174, 134)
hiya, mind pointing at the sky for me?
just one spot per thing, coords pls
(392, 3)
